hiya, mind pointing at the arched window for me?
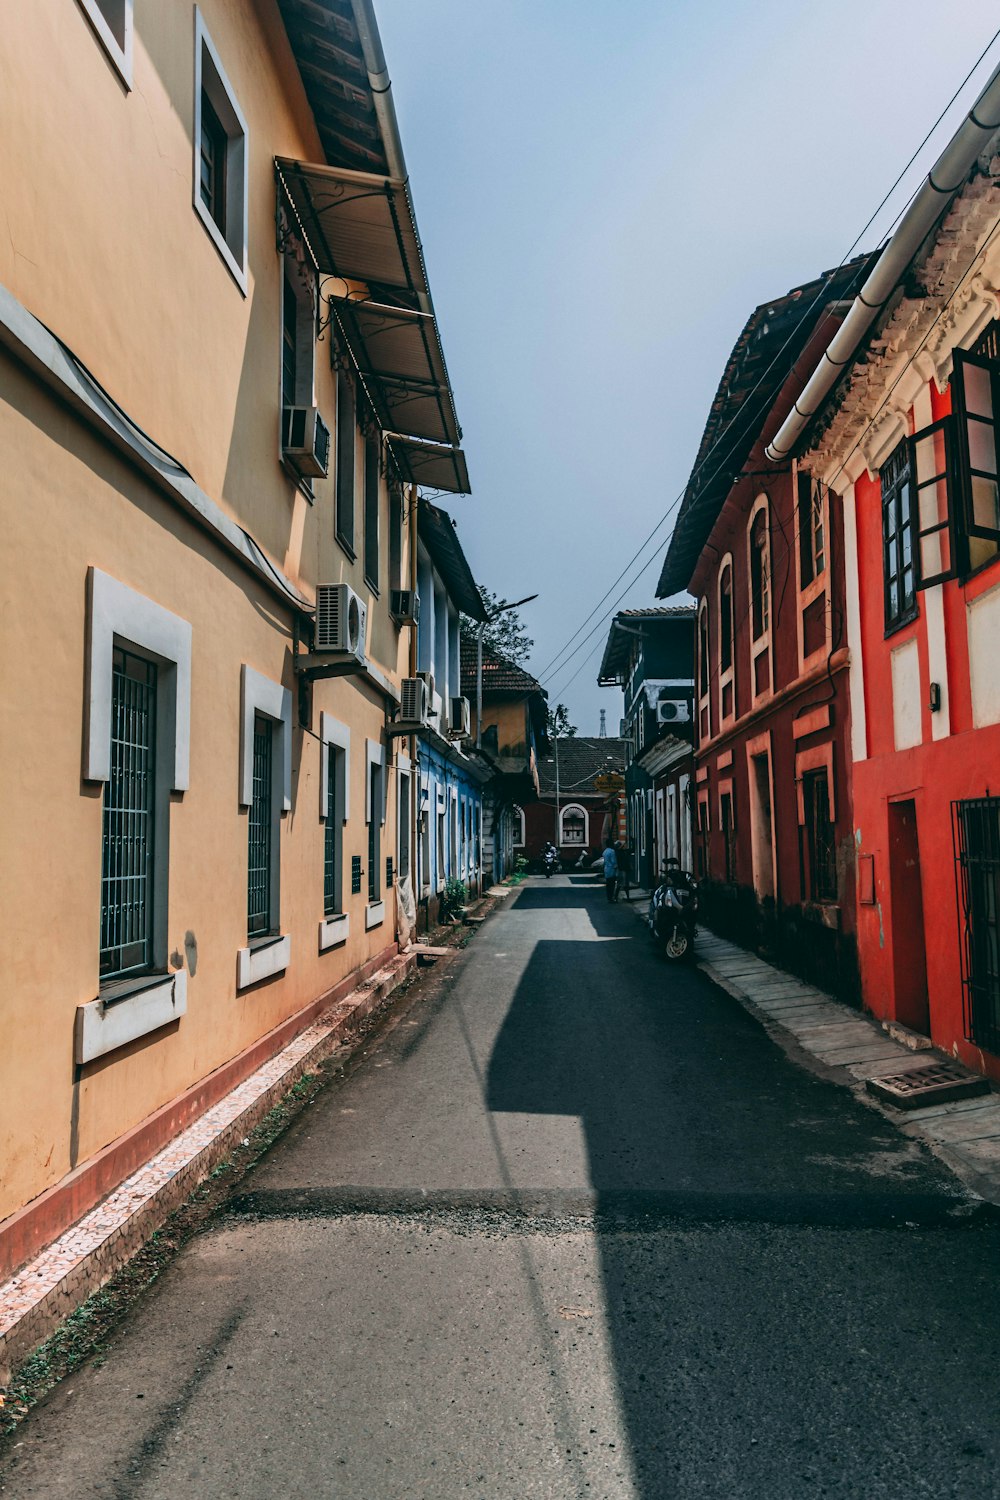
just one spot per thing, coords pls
(517, 823)
(760, 575)
(703, 650)
(574, 826)
(726, 617)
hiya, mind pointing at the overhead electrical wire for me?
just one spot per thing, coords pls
(557, 663)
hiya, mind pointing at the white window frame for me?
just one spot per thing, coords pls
(727, 677)
(120, 54)
(116, 612)
(232, 246)
(269, 955)
(574, 807)
(763, 642)
(335, 735)
(375, 757)
(808, 593)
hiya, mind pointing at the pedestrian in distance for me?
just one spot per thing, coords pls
(611, 872)
(624, 855)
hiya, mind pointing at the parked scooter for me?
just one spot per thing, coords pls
(550, 861)
(673, 910)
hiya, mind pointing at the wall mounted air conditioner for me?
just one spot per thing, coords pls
(673, 711)
(413, 705)
(341, 617)
(460, 726)
(305, 441)
(404, 606)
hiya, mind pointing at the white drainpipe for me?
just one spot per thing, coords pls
(944, 180)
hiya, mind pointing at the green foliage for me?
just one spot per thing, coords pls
(559, 725)
(504, 632)
(520, 865)
(455, 894)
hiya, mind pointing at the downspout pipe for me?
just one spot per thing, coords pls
(947, 176)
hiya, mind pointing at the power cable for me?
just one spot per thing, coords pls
(551, 665)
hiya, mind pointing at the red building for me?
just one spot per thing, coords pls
(760, 547)
(912, 451)
(589, 792)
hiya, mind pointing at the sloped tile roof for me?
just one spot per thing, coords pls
(581, 758)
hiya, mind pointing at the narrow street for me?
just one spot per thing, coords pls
(574, 1227)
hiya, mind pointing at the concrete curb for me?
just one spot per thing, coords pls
(35, 1300)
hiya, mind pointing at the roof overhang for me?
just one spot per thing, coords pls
(436, 530)
(431, 464)
(399, 354)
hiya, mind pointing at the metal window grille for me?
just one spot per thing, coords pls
(371, 512)
(330, 838)
(355, 874)
(403, 816)
(289, 344)
(976, 834)
(374, 831)
(127, 845)
(728, 837)
(259, 866)
(897, 537)
(820, 838)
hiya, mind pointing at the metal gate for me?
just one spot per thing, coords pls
(976, 835)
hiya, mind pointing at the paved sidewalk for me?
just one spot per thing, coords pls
(965, 1134)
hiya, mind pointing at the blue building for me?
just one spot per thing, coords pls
(450, 777)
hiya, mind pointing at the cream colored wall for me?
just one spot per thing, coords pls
(103, 244)
(67, 502)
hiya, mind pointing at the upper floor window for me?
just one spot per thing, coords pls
(820, 861)
(703, 650)
(897, 538)
(112, 21)
(346, 416)
(395, 537)
(220, 156)
(573, 825)
(760, 576)
(812, 527)
(955, 472)
(726, 618)
(371, 511)
(129, 818)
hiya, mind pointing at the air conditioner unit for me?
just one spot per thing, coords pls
(461, 719)
(428, 677)
(404, 606)
(673, 711)
(305, 441)
(341, 618)
(413, 704)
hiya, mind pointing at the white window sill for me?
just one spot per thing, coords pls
(103, 1026)
(374, 914)
(255, 964)
(334, 930)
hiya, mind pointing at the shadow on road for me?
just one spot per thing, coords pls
(693, 1117)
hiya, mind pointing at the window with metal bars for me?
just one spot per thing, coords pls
(728, 825)
(976, 832)
(346, 418)
(403, 819)
(259, 882)
(812, 528)
(820, 839)
(332, 840)
(128, 821)
(374, 832)
(897, 538)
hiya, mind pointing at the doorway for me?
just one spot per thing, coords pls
(909, 957)
(762, 825)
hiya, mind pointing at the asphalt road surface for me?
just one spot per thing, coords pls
(576, 1226)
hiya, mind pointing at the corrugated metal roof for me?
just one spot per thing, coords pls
(399, 354)
(430, 464)
(436, 529)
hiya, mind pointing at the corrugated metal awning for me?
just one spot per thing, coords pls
(359, 226)
(431, 464)
(399, 351)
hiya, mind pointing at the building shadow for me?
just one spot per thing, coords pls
(697, 1124)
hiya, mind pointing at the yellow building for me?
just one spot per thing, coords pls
(220, 384)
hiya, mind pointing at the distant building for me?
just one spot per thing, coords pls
(650, 655)
(580, 799)
(514, 736)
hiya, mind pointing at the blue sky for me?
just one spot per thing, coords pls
(604, 194)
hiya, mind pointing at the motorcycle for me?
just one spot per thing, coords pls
(673, 910)
(550, 862)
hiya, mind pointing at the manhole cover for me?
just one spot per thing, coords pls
(937, 1083)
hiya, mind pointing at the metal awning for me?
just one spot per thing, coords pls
(431, 464)
(399, 352)
(359, 226)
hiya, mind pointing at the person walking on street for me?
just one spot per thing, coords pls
(611, 872)
(624, 855)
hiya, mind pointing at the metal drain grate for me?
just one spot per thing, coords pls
(936, 1083)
